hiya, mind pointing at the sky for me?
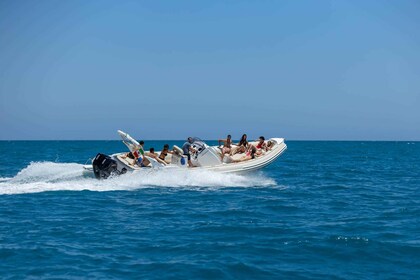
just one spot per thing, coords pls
(302, 70)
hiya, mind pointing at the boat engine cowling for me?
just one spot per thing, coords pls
(104, 166)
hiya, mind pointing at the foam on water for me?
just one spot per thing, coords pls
(50, 176)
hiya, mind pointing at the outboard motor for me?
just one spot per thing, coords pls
(104, 166)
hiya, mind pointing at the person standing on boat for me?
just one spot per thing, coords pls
(186, 148)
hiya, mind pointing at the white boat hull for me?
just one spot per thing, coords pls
(125, 164)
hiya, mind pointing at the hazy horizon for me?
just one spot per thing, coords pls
(234, 139)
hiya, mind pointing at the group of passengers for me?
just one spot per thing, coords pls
(140, 159)
(244, 146)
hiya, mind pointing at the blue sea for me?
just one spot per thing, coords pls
(323, 210)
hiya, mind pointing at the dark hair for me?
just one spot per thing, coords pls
(262, 138)
(166, 146)
(152, 150)
(243, 140)
(141, 142)
(253, 151)
(229, 136)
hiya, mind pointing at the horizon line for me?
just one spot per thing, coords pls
(302, 140)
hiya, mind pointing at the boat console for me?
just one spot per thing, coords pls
(203, 155)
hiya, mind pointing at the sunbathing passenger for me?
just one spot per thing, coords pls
(261, 146)
(165, 152)
(128, 155)
(270, 145)
(153, 155)
(227, 145)
(241, 147)
(250, 154)
(136, 154)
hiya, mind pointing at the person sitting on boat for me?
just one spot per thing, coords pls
(270, 145)
(261, 146)
(250, 154)
(128, 155)
(155, 156)
(165, 152)
(227, 145)
(143, 162)
(186, 148)
(241, 146)
(139, 157)
(136, 155)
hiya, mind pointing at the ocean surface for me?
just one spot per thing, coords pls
(323, 210)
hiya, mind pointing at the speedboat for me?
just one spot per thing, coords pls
(204, 157)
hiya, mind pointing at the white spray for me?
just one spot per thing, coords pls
(50, 176)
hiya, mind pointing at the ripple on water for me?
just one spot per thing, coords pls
(323, 210)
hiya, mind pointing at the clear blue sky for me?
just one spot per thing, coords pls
(343, 70)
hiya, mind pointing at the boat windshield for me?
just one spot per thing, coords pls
(197, 139)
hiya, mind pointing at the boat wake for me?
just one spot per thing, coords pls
(50, 176)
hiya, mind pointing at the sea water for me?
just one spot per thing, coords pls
(323, 210)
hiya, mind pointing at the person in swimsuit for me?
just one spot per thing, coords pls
(165, 152)
(261, 146)
(128, 155)
(250, 154)
(152, 154)
(241, 147)
(141, 160)
(227, 145)
(137, 156)
(270, 145)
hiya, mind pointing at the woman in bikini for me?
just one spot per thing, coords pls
(242, 146)
(261, 146)
(165, 152)
(250, 154)
(227, 145)
(152, 154)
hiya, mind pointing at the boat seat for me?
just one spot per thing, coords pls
(237, 156)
